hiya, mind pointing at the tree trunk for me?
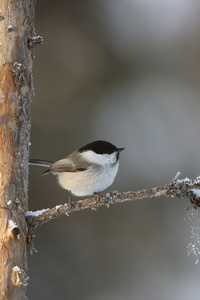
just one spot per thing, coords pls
(16, 59)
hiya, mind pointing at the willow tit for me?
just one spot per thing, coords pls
(86, 171)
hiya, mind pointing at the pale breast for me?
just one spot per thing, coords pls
(85, 182)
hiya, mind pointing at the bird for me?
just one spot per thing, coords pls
(86, 171)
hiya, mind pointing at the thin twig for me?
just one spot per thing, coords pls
(179, 188)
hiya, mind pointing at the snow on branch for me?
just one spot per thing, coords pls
(186, 188)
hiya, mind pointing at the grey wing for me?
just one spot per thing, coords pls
(66, 165)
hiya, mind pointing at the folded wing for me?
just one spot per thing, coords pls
(65, 165)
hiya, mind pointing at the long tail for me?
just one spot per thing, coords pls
(41, 163)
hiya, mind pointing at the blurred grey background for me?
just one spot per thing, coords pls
(127, 72)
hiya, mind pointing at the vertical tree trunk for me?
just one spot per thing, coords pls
(16, 58)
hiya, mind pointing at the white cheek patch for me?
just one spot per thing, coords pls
(100, 159)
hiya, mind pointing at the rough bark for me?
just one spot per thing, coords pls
(16, 60)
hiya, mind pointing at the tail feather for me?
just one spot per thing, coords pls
(46, 172)
(41, 163)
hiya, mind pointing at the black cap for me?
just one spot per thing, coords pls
(101, 147)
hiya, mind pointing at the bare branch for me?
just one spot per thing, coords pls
(34, 41)
(186, 188)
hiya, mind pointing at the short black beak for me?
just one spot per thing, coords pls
(120, 149)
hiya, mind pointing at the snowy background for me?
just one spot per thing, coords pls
(127, 72)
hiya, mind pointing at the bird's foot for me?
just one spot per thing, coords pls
(70, 202)
(99, 197)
